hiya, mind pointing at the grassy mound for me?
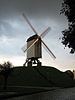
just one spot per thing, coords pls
(36, 76)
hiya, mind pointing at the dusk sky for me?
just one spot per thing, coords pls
(14, 31)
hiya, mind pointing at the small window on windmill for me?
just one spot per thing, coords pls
(35, 50)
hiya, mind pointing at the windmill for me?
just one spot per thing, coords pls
(34, 46)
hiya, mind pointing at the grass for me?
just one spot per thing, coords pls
(35, 76)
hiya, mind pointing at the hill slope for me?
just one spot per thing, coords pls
(37, 77)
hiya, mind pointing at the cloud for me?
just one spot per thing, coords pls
(14, 30)
(11, 46)
(6, 29)
(34, 8)
(15, 60)
(12, 23)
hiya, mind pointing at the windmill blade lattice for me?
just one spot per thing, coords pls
(39, 37)
(29, 23)
(35, 51)
(45, 32)
(48, 50)
(24, 47)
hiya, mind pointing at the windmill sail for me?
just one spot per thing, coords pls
(29, 23)
(33, 41)
(49, 51)
(24, 47)
(39, 37)
(45, 32)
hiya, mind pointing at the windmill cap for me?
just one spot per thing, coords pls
(32, 37)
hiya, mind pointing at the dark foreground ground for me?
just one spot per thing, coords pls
(30, 82)
(53, 94)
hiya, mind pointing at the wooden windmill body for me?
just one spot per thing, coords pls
(34, 47)
(35, 51)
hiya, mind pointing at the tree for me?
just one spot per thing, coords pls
(68, 39)
(6, 70)
(1, 67)
(70, 74)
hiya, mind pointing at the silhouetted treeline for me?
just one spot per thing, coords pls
(5, 70)
(68, 39)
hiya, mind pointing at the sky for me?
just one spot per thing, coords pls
(14, 31)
